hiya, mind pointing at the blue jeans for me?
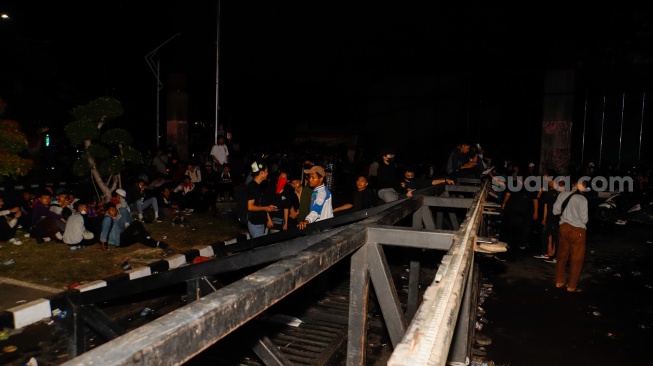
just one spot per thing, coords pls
(141, 205)
(255, 230)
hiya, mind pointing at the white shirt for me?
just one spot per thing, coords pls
(75, 231)
(220, 152)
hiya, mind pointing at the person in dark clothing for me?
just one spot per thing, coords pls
(389, 188)
(257, 220)
(520, 208)
(46, 225)
(550, 222)
(460, 163)
(280, 195)
(361, 199)
(9, 223)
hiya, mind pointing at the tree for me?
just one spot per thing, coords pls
(105, 151)
(12, 142)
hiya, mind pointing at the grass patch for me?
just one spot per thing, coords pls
(55, 265)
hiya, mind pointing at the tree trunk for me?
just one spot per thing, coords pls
(95, 173)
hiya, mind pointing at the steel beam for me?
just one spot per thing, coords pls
(413, 290)
(448, 202)
(202, 323)
(386, 293)
(359, 290)
(410, 237)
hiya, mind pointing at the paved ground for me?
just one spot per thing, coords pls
(16, 292)
(530, 322)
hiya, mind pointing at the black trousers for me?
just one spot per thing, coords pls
(136, 233)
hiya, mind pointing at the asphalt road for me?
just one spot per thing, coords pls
(531, 322)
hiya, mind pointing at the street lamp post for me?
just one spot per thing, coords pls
(155, 67)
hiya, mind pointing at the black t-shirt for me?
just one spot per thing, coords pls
(521, 202)
(549, 198)
(255, 192)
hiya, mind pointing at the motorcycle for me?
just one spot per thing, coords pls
(622, 207)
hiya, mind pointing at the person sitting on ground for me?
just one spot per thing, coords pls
(362, 198)
(186, 194)
(205, 200)
(138, 200)
(46, 225)
(225, 184)
(119, 230)
(167, 207)
(76, 233)
(194, 173)
(9, 223)
(60, 203)
(26, 204)
(119, 197)
(321, 200)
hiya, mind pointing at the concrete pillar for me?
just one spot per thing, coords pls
(177, 114)
(557, 113)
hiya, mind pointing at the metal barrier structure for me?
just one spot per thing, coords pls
(436, 331)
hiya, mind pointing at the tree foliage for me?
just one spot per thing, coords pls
(105, 150)
(12, 142)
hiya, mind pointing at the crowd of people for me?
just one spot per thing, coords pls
(282, 191)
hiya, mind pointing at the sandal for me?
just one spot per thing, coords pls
(575, 290)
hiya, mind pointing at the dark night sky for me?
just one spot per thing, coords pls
(291, 63)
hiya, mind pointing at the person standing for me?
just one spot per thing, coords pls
(550, 222)
(257, 218)
(301, 200)
(572, 208)
(321, 206)
(220, 154)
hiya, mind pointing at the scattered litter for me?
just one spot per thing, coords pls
(73, 285)
(125, 264)
(596, 313)
(146, 312)
(479, 326)
(8, 262)
(32, 362)
(200, 259)
(62, 314)
(636, 273)
(617, 275)
(284, 319)
(644, 326)
(165, 237)
(56, 312)
(10, 348)
(612, 336)
(21, 301)
(4, 335)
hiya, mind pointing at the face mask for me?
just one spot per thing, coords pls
(82, 212)
(281, 183)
